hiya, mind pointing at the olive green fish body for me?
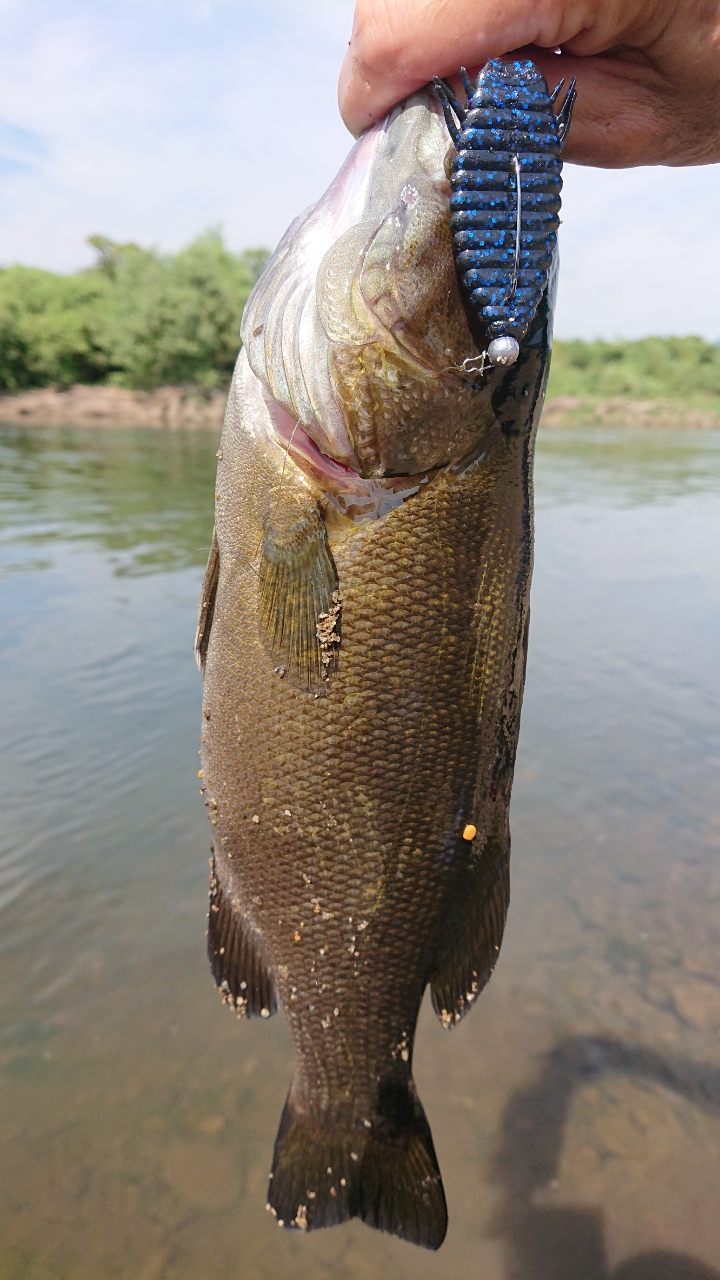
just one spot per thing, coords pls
(363, 637)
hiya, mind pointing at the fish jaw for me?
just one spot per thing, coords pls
(357, 329)
(281, 330)
(291, 454)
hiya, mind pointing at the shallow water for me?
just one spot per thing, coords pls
(576, 1112)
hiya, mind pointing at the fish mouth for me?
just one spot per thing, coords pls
(358, 497)
(356, 329)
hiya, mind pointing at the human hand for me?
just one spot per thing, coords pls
(648, 71)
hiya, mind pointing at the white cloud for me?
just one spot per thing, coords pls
(150, 121)
(161, 119)
(640, 253)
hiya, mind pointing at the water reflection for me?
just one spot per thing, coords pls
(635, 467)
(574, 1112)
(144, 495)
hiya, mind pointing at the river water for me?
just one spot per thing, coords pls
(576, 1111)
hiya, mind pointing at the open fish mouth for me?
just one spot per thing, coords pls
(356, 329)
(358, 497)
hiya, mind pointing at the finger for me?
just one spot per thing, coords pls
(621, 117)
(398, 45)
(630, 111)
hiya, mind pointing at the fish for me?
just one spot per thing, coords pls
(363, 636)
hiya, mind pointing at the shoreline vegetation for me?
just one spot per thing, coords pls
(149, 339)
(185, 408)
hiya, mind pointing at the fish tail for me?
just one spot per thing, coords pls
(386, 1174)
(400, 1187)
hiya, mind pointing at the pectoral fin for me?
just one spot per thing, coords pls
(207, 604)
(299, 603)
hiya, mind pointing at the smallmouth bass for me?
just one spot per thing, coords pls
(363, 635)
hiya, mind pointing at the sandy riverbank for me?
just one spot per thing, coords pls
(173, 408)
(170, 408)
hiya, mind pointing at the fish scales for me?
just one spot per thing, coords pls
(344, 878)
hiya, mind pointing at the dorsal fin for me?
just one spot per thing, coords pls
(298, 601)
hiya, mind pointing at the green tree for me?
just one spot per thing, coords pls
(138, 318)
(175, 319)
(47, 328)
(685, 369)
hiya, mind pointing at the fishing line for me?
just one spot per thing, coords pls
(518, 229)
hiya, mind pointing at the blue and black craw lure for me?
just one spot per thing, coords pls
(506, 182)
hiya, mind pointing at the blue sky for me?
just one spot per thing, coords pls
(151, 121)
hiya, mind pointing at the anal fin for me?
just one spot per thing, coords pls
(241, 971)
(473, 932)
(299, 604)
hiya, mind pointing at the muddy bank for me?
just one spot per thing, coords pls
(177, 407)
(170, 408)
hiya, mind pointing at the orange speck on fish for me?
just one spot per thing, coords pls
(470, 832)
(200, 773)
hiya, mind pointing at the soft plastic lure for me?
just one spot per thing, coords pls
(506, 183)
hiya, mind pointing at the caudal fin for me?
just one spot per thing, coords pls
(387, 1174)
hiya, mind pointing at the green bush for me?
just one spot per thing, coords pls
(138, 318)
(685, 369)
(175, 319)
(47, 328)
